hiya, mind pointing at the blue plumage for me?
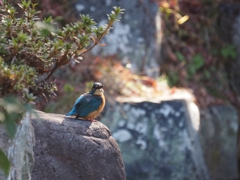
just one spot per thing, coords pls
(90, 104)
(85, 104)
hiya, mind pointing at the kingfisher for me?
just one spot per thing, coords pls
(89, 105)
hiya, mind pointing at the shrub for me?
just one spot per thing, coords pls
(32, 49)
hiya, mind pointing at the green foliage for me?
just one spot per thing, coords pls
(192, 67)
(89, 85)
(229, 51)
(196, 63)
(15, 78)
(68, 88)
(32, 49)
(4, 162)
(11, 112)
(198, 57)
(180, 56)
(172, 78)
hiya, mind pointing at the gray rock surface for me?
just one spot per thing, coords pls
(19, 150)
(174, 140)
(135, 39)
(229, 30)
(72, 149)
(218, 134)
(4, 145)
(158, 141)
(234, 21)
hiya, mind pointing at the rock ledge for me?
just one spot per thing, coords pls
(71, 149)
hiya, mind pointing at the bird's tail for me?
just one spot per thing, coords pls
(71, 113)
(68, 114)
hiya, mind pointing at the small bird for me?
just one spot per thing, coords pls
(89, 105)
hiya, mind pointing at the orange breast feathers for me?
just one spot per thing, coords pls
(95, 113)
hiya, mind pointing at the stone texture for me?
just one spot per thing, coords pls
(229, 30)
(72, 149)
(4, 145)
(233, 18)
(19, 150)
(135, 39)
(174, 140)
(218, 132)
(158, 141)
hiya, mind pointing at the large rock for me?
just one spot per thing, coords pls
(72, 149)
(158, 141)
(167, 139)
(229, 30)
(135, 39)
(19, 150)
(232, 17)
(218, 134)
(4, 145)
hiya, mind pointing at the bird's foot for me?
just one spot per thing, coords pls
(92, 120)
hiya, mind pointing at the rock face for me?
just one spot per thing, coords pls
(135, 39)
(235, 35)
(4, 145)
(19, 150)
(168, 140)
(218, 134)
(158, 141)
(69, 149)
